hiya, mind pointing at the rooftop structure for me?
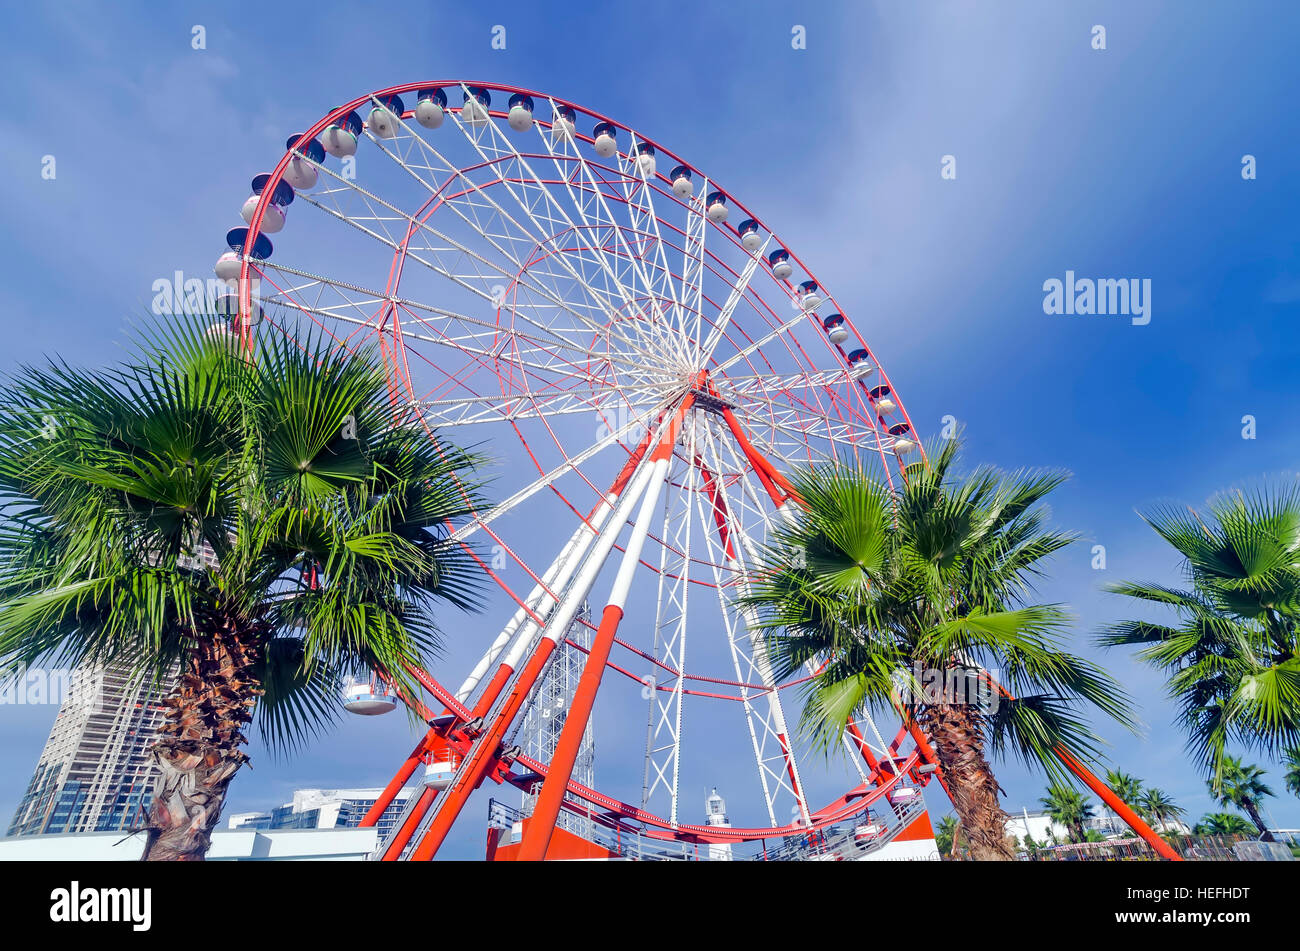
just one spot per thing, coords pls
(322, 809)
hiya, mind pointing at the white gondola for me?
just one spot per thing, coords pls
(903, 442)
(228, 266)
(836, 332)
(300, 172)
(439, 774)
(227, 306)
(340, 138)
(274, 216)
(780, 262)
(386, 118)
(431, 108)
(272, 220)
(859, 364)
(383, 122)
(882, 396)
(717, 207)
(520, 115)
(475, 110)
(339, 142)
(683, 187)
(809, 296)
(564, 124)
(520, 119)
(645, 159)
(750, 238)
(367, 700)
(602, 140)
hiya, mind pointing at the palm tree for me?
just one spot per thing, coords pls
(1127, 787)
(1292, 776)
(948, 837)
(266, 525)
(1222, 823)
(908, 596)
(1232, 657)
(1067, 807)
(1242, 786)
(1160, 809)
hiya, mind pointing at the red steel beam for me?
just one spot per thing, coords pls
(541, 827)
(482, 756)
(397, 782)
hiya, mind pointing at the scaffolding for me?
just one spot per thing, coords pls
(544, 717)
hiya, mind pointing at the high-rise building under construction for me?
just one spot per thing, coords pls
(95, 773)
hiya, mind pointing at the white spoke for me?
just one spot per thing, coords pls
(729, 306)
(664, 728)
(784, 327)
(546, 481)
(777, 765)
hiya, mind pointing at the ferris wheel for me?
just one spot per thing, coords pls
(644, 358)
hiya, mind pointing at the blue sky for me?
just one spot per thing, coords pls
(1122, 163)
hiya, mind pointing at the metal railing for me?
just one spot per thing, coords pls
(1192, 848)
(841, 842)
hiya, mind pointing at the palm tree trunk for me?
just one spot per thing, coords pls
(1259, 822)
(958, 739)
(202, 732)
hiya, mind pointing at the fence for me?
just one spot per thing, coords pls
(1192, 848)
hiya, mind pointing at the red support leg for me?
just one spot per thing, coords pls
(929, 755)
(483, 753)
(482, 756)
(861, 743)
(396, 783)
(1119, 806)
(537, 834)
(394, 850)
